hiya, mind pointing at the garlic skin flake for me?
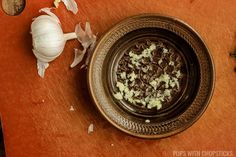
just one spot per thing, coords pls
(48, 39)
(90, 128)
(70, 5)
(79, 55)
(87, 40)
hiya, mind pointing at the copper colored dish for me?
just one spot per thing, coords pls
(188, 53)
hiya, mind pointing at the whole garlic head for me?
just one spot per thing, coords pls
(48, 38)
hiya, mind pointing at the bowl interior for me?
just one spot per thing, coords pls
(189, 68)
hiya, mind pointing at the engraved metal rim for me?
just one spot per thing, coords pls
(201, 100)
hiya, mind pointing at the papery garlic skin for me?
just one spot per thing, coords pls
(87, 40)
(71, 5)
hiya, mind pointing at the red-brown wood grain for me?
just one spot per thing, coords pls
(35, 112)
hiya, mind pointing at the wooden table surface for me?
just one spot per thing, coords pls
(35, 112)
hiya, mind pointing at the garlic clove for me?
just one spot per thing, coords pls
(41, 66)
(79, 55)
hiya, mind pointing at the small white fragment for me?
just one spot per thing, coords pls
(121, 86)
(172, 83)
(118, 96)
(90, 128)
(167, 92)
(132, 76)
(72, 108)
(176, 82)
(171, 63)
(164, 78)
(165, 50)
(137, 101)
(136, 93)
(147, 121)
(123, 75)
(130, 66)
(152, 47)
(129, 94)
(178, 74)
(145, 69)
(143, 102)
(154, 84)
(56, 3)
(112, 144)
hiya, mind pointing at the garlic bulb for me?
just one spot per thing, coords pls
(49, 40)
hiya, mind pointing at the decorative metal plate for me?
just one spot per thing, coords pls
(196, 86)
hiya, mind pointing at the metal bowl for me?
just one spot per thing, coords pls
(196, 87)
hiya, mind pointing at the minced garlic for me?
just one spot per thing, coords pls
(171, 63)
(118, 96)
(165, 50)
(132, 76)
(178, 74)
(147, 121)
(123, 75)
(154, 102)
(141, 85)
(121, 86)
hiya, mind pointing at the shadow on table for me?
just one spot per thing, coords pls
(2, 149)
